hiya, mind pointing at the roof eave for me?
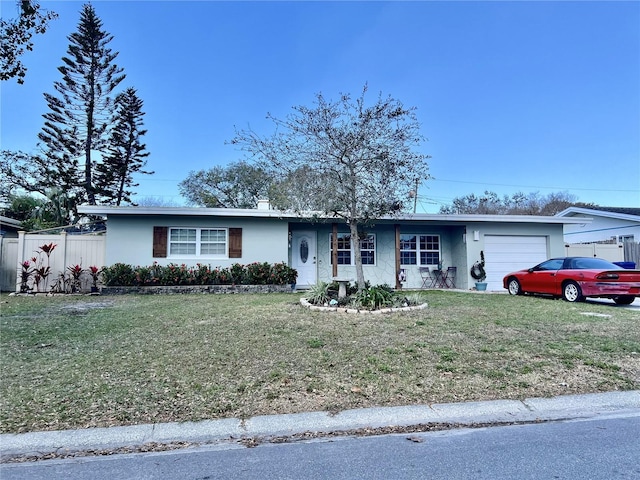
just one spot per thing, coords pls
(257, 213)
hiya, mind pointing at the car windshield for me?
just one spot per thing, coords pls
(553, 264)
(592, 263)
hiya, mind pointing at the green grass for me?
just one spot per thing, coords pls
(81, 361)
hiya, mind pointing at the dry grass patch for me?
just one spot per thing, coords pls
(70, 362)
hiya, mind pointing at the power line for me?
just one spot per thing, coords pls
(534, 186)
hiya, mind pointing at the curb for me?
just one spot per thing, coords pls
(232, 429)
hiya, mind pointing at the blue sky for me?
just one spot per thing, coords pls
(512, 96)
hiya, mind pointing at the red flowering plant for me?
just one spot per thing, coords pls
(76, 272)
(95, 275)
(42, 271)
(25, 275)
(258, 273)
(47, 248)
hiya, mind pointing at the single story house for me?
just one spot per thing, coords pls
(9, 227)
(395, 250)
(619, 225)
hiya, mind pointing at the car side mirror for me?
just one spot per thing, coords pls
(531, 270)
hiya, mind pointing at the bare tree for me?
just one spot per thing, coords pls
(517, 204)
(362, 159)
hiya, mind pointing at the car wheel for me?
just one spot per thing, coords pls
(571, 292)
(514, 287)
(624, 299)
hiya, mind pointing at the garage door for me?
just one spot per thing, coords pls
(507, 253)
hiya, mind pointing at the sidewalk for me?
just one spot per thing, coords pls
(233, 429)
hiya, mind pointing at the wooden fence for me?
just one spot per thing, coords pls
(82, 250)
(632, 253)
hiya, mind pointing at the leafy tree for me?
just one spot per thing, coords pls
(19, 171)
(16, 38)
(76, 127)
(151, 201)
(126, 152)
(21, 207)
(38, 212)
(362, 159)
(517, 204)
(238, 185)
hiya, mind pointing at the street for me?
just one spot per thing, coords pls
(607, 447)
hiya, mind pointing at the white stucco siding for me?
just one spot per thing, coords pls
(130, 240)
(382, 272)
(600, 228)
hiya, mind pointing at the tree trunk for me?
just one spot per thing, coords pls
(357, 255)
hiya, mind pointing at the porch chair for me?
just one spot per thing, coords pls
(450, 277)
(425, 275)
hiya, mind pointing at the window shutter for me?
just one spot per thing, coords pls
(160, 242)
(235, 243)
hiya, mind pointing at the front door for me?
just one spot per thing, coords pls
(303, 257)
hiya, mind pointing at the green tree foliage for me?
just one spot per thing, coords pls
(38, 212)
(16, 34)
(362, 159)
(126, 152)
(517, 204)
(238, 185)
(77, 125)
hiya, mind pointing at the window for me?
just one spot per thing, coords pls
(625, 238)
(408, 250)
(422, 248)
(345, 256)
(210, 242)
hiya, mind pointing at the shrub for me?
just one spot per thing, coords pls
(318, 294)
(374, 297)
(258, 273)
(222, 276)
(119, 274)
(283, 274)
(238, 274)
(203, 275)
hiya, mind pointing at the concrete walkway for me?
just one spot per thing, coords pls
(233, 429)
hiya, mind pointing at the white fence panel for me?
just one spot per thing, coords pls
(607, 251)
(8, 262)
(70, 250)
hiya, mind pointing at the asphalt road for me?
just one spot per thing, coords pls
(605, 447)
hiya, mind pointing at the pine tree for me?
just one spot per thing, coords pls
(126, 153)
(76, 127)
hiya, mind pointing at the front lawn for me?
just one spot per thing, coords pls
(84, 361)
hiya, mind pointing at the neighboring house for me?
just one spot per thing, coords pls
(607, 224)
(9, 227)
(390, 247)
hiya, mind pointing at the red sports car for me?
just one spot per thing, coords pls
(575, 278)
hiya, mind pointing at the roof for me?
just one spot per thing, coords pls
(105, 210)
(622, 213)
(10, 222)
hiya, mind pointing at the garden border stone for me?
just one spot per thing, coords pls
(320, 308)
(184, 289)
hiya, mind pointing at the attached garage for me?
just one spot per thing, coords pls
(508, 253)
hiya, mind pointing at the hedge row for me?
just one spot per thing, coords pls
(120, 274)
